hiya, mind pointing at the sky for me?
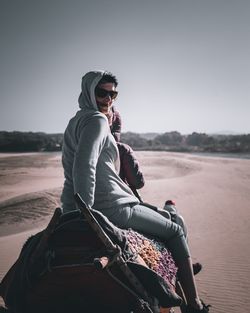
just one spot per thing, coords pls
(181, 65)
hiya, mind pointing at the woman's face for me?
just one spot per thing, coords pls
(105, 95)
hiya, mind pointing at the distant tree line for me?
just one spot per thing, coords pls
(169, 141)
(195, 142)
(29, 142)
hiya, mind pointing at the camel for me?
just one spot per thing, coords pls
(81, 262)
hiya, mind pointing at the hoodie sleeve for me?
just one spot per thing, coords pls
(116, 125)
(129, 167)
(92, 139)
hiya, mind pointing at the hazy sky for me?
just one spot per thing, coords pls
(181, 65)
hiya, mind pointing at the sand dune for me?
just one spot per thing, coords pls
(17, 212)
(213, 194)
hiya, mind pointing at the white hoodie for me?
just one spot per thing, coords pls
(89, 156)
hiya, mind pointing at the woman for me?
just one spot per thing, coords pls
(130, 171)
(115, 123)
(90, 160)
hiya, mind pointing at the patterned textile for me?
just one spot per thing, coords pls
(154, 254)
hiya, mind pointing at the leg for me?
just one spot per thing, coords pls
(178, 219)
(147, 221)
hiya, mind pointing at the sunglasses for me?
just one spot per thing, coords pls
(103, 93)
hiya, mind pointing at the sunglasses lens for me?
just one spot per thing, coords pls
(113, 94)
(102, 93)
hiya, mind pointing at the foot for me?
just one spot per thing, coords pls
(203, 309)
(197, 267)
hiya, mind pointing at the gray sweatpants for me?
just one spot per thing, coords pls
(141, 218)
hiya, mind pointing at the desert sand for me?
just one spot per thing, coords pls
(212, 193)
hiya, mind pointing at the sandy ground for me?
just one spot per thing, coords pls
(213, 194)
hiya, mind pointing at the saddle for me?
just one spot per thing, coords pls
(83, 263)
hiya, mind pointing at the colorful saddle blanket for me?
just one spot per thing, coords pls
(155, 255)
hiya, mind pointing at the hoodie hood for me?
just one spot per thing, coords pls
(86, 99)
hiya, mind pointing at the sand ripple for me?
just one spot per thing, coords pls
(20, 210)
